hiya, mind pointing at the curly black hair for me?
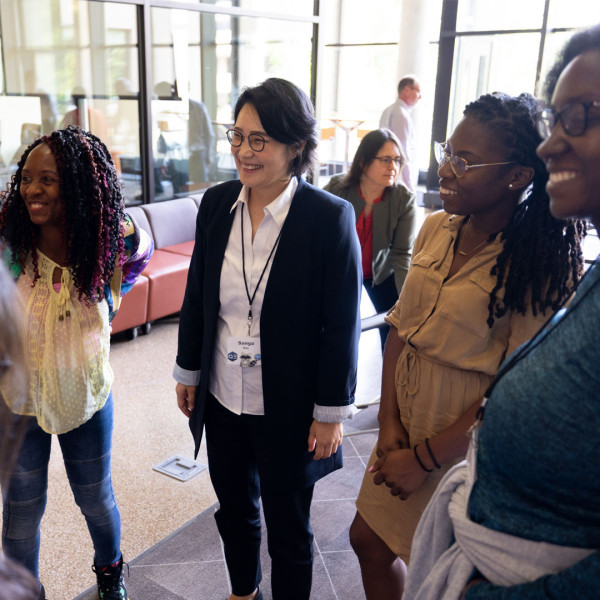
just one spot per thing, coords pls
(94, 210)
(541, 262)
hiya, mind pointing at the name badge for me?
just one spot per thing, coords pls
(243, 352)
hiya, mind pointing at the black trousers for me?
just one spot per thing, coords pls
(383, 297)
(236, 455)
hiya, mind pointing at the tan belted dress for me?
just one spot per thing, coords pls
(449, 358)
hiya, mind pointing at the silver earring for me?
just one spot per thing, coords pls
(510, 186)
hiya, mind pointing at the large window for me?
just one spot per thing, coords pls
(366, 52)
(200, 63)
(505, 47)
(69, 63)
(78, 61)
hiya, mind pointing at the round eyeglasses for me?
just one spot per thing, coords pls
(458, 164)
(574, 117)
(255, 141)
(398, 161)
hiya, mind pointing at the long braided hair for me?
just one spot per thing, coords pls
(541, 262)
(94, 209)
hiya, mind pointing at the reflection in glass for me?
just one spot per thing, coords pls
(200, 63)
(62, 64)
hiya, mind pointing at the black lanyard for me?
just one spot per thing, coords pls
(251, 298)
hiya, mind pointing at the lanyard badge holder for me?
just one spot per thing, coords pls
(245, 351)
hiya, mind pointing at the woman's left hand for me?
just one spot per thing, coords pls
(324, 439)
(400, 471)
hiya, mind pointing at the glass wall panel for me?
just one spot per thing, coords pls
(478, 15)
(297, 7)
(363, 59)
(200, 63)
(573, 13)
(347, 21)
(351, 105)
(70, 62)
(484, 64)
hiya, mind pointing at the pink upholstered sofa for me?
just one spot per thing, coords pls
(158, 292)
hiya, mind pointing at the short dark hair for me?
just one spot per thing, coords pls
(578, 43)
(405, 82)
(366, 153)
(287, 115)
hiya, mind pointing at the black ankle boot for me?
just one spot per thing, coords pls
(110, 581)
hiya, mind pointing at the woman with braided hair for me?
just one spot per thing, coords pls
(485, 275)
(73, 253)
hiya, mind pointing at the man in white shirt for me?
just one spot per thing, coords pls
(397, 118)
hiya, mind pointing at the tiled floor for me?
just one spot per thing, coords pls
(189, 564)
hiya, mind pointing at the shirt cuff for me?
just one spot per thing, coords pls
(186, 377)
(334, 414)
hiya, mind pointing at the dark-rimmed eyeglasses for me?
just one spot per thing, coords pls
(255, 141)
(575, 118)
(458, 164)
(398, 161)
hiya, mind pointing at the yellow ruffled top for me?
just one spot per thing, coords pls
(67, 345)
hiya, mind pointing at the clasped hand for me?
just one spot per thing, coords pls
(399, 470)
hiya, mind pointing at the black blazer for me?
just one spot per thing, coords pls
(309, 327)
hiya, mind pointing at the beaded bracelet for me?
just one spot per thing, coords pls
(435, 462)
(419, 460)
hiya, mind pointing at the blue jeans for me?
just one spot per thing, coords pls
(86, 454)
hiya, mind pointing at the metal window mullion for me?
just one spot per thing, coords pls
(443, 84)
(145, 69)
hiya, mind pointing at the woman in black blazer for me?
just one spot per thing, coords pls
(268, 338)
(386, 216)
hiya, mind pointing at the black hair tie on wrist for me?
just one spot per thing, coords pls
(419, 460)
(435, 462)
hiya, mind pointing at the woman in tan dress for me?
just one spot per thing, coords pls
(486, 273)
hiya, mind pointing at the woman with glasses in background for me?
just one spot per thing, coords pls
(520, 519)
(268, 338)
(485, 275)
(386, 216)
